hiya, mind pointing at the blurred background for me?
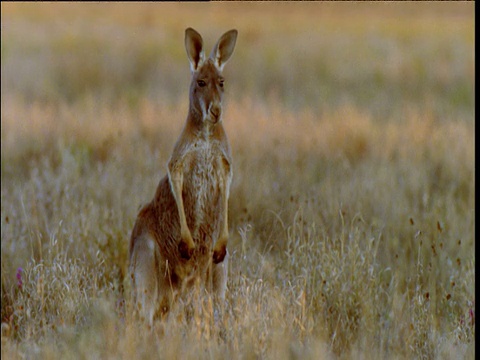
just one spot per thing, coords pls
(377, 57)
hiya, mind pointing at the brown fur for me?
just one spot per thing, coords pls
(180, 237)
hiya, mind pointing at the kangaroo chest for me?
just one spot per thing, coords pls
(202, 187)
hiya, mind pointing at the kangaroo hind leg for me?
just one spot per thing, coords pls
(219, 279)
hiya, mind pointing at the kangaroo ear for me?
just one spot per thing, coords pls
(194, 47)
(223, 49)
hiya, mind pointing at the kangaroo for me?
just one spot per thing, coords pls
(181, 236)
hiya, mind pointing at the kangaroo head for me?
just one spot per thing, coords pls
(206, 88)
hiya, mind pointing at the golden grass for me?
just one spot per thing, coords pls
(352, 205)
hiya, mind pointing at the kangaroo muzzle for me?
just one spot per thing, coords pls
(214, 112)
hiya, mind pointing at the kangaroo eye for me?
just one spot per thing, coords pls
(201, 83)
(221, 83)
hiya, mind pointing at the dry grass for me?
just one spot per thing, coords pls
(352, 206)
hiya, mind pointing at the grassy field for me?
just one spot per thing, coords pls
(352, 205)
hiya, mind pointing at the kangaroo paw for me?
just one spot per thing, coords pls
(186, 251)
(219, 254)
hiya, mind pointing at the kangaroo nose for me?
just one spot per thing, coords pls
(216, 111)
